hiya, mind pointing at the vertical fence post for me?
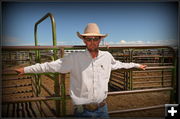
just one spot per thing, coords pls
(162, 61)
(57, 93)
(57, 87)
(130, 71)
(63, 88)
(126, 81)
(173, 82)
(56, 76)
(63, 95)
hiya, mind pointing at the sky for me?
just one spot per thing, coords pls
(126, 23)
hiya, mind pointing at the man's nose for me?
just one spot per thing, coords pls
(92, 41)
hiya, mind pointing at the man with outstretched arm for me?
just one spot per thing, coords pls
(89, 73)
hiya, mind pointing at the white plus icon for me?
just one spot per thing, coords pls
(172, 111)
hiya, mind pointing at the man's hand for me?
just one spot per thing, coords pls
(20, 71)
(143, 67)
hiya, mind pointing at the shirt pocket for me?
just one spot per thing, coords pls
(103, 72)
(103, 75)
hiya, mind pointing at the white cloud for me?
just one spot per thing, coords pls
(170, 42)
(122, 41)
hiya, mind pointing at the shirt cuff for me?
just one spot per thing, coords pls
(26, 70)
(136, 65)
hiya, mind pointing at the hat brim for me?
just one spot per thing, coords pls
(90, 34)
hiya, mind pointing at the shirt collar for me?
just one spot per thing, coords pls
(100, 53)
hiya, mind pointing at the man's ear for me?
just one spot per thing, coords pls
(101, 38)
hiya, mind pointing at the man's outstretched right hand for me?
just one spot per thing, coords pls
(20, 71)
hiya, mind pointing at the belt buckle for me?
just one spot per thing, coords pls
(91, 107)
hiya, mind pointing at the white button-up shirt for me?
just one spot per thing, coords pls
(88, 77)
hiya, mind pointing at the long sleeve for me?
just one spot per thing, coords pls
(63, 65)
(119, 65)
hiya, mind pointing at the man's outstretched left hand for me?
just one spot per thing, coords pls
(143, 67)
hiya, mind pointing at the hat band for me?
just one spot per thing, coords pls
(92, 34)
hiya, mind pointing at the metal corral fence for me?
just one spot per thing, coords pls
(122, 81)
(46, 94)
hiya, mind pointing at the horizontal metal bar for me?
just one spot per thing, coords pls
(46, 73)
(147, 71)
(16, 86)
(22, 97)
(140, 91)
(17, 92)
(155, 63)
(138, 77)
(140, 82)
(28, 48)
(160, 67)
(12, 48)
(142, 56)
(151, 56)
(136, 109)
(33, 99)
(148, 87)
(16, 79)
(149, 68)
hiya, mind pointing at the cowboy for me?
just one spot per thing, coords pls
(89, 73)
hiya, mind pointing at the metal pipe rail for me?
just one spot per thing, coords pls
(136, 109)
(16, 86)
(53, 28)
(12, 79)
(38, 59)
(17, 48)
(111, 48)
(109, 94)
(139, 91)
(17, 92)
(32, 99)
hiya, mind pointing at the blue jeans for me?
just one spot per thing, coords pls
(101, 112)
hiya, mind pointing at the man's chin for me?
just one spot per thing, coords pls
(93, 50)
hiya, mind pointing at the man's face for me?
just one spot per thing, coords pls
(92, 42)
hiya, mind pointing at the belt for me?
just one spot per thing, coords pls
(92, 106)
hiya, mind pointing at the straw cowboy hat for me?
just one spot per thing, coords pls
(91, 29)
